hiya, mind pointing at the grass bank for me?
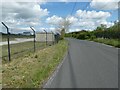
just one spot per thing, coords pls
(33, 69)
(112, 42)
(19, 49)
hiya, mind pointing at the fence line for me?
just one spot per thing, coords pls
(23, 47)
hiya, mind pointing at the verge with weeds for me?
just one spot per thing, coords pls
(33, 69)
(112, 42)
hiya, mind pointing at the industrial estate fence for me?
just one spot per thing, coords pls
(23, 43)
(20, 49)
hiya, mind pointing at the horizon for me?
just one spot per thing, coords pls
(48, 15)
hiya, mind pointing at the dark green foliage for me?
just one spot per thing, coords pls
(100, 32)
(110, 36)
(110, 33)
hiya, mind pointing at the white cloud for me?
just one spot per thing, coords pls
(74, 30)
(90, 24)
(38, 1)
(30, 14)
(22, 13)
(105, 5)
(83, 20)
(23, 28)
(52, 29)
(72, 19)
(89, 20)
(84, 23)
(98, 22)
(92, 14)
(54, 20)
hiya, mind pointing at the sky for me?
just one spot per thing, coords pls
(83, 14)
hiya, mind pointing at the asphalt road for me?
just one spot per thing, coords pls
(87, 65)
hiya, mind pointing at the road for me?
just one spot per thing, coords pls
(87, 65)
(18, 40)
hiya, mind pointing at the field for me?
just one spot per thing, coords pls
(32, 70)
(20, 49)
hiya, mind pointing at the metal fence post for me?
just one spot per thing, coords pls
(34, 37)
(9, 55)
(52, 37)
(46, 36)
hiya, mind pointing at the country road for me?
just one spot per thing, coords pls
(87, 65)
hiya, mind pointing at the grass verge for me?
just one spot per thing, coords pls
(33, 69)
(19, 49)
(112, 42)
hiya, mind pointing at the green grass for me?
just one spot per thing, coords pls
(112, 42)
(19, 49)
(33, 69)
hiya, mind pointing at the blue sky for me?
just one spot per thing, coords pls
(86, 15)
(63, 9)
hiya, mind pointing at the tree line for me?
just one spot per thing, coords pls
(101, 31)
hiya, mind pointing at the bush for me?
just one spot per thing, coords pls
(83, 36)
(92, 37)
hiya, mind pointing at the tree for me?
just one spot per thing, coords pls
(62, 33)
(65, 24)
(64, 27)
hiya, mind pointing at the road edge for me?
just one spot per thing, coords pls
(105, 44)
(52, 76)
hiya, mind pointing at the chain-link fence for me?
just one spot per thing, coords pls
(24, 42)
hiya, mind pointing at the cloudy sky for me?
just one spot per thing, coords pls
(19, 16)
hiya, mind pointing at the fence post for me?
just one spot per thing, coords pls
(34, 37)
(9, 55)
(53, 37)
(46, 36)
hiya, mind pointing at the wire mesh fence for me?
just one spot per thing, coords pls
(20, 49)
(21, 43)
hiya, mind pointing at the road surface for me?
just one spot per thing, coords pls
(87, 65)
(18, 40)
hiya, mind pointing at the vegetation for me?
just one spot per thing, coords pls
(110, 36)
(112, 42)
(32, 70)
(62, 34)
(20, 49)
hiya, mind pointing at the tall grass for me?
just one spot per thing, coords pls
(112, 42)
(19, 49)
(33, 69)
